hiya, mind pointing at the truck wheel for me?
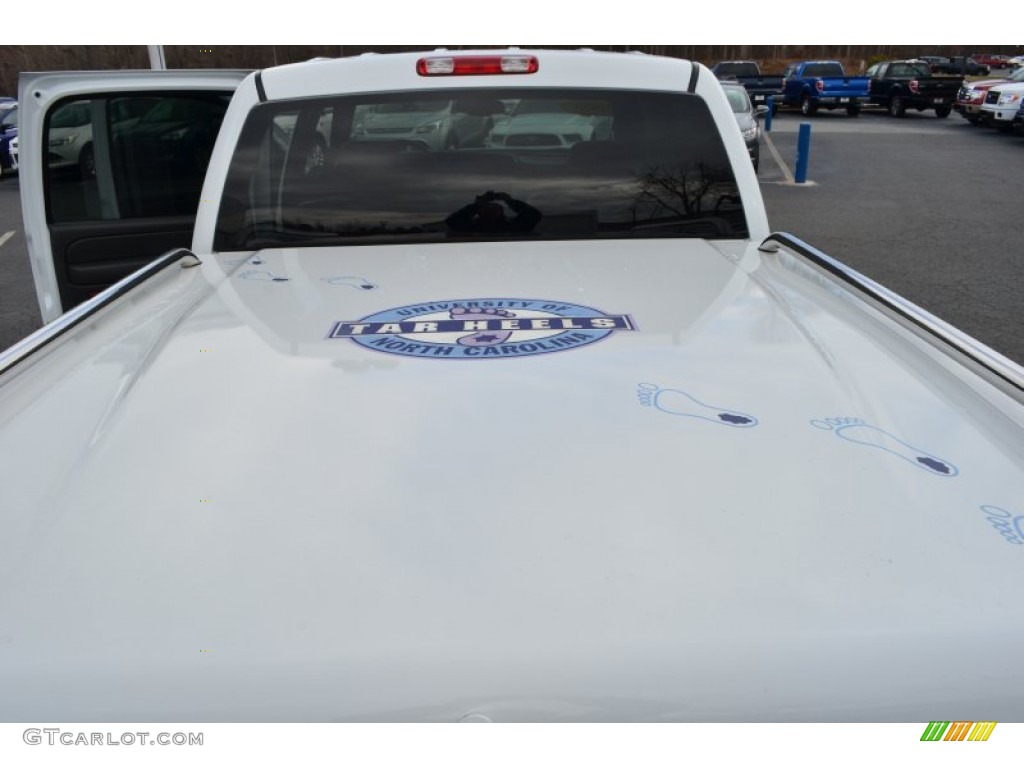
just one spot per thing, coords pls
(943, 111)
(853, 111)
(808, 107)
(897, 107)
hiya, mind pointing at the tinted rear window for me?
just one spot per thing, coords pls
(474, 164)
(737, 69)
(827, 69)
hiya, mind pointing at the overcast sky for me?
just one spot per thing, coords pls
(531, 22)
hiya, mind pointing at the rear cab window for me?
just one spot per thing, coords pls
(737, 69)
(824, 69)
(469, 164)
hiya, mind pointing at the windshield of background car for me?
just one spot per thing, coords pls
(474, 164)
(738, 99)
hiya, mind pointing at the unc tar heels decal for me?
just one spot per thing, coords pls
(476, 328)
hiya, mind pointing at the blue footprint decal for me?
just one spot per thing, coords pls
(260, 274)
(352, 281)
(858, 431)
(679, 403)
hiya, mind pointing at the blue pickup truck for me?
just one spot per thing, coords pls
(814, 85)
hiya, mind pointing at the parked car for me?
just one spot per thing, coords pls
(8, 130)
(1018, 121)
(902, 85)
(932, 61)
(759, 86)
(991, 60)
(70, 140)
(14, 153)
(814, 85)
(972, 94)
(747, 118)
(1002, 103)
(430, 124)
(959, 65)
(540, 124)
(1015, 62)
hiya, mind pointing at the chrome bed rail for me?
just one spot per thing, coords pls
(28, 346)
(994, 367)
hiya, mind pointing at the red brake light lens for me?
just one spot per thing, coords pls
(914, 86)
(509, 64)
(820, 85)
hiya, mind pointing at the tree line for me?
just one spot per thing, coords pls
(15, 59)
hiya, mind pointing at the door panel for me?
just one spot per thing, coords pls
(123, 179)
(113, 165)
(95, 257)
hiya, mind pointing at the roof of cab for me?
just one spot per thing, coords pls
(384, 72)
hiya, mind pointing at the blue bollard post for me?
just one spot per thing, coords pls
(803, 150)
(768, 117)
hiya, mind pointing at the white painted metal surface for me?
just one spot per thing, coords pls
(214, 512)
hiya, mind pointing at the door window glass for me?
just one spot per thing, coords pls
(128, 157)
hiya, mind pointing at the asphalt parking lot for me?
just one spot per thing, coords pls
(929, 208)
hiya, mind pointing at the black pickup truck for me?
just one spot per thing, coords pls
(903, 85)
(958, 65)
(748, 74)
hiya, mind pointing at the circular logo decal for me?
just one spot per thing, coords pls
(480, 328)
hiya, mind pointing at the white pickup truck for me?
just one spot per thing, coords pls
(462, 423)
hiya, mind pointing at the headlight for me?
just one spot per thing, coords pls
(429, 127)
(63, 141)
(975, 95)
(750, 133)
(1008, 99)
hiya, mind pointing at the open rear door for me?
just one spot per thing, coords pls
(112, 165)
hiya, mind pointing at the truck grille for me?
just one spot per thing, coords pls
(992, 97)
